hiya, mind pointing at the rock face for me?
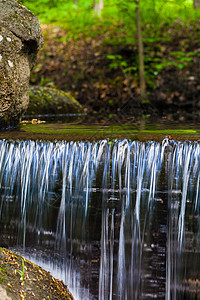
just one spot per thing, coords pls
(20, 40)
(45, 100)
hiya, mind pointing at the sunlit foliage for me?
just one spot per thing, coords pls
(120, 11)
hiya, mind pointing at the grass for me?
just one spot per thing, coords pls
(21, 273)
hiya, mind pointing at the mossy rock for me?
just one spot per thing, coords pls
(47, 101)
(20, 40)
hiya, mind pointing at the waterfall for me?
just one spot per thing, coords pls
(113, 219)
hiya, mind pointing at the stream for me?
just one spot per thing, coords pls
(113, 219)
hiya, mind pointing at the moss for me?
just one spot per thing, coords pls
(170, 131)
(78, 132)
(2, 280)
(109, 130)
(3, 271)
(44, 100)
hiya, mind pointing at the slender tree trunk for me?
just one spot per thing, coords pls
(98, 6)
(196, 4)
(140, 53)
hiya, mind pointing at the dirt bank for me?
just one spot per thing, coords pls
(20, 279)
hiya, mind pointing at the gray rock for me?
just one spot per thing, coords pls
(20, 40)
(51, 101)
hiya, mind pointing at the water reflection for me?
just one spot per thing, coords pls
(114, 220)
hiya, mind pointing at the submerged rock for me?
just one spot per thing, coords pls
(20, 40)
(45, 100)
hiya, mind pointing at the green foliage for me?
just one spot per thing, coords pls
(119, 16)
(166, 10)
(46, 82)
(177, 59)
(81, 15)
(117, 62)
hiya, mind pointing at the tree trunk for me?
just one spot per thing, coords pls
(196, 4)
(141, 54)
(98, 6)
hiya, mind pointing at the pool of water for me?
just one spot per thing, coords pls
(113, 219)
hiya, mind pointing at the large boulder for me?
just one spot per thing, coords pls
(20, 40)
(51, 101)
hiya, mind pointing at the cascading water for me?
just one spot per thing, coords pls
(114, 220)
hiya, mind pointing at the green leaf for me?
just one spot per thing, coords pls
(114, 65)
(130, 69)
(180, 66)
(186, 59)
(111, 56)
(178, 53)
(159, 67)
(145, 101)
(111, 101)
(123, 64)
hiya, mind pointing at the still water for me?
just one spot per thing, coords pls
(113, 220)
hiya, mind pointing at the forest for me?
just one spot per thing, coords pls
(105, 197)
(122, 60)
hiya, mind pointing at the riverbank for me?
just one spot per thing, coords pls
(21, 279)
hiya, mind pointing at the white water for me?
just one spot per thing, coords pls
(117, 183)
